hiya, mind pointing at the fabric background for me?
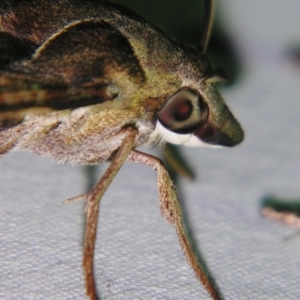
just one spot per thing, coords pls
(138, 255)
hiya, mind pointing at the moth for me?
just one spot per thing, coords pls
(86, 82)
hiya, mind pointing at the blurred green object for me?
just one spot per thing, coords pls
(282, 210)
(282, 205)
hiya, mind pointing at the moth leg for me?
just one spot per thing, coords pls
(175, 161)
(171, 211)
(92, 209)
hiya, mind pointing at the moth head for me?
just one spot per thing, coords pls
(196, 115)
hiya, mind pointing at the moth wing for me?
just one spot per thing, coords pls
(73, 68)
(13, 48)
(22, 91)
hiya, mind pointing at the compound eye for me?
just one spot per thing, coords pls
(184, 112)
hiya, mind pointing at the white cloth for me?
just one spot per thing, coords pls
(138, 255)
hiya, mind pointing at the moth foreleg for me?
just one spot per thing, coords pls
(92, 209)
(171, 211)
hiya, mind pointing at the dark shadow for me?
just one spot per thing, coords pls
(90, 173)
(293, 55)
(176, 163)
(183, 20)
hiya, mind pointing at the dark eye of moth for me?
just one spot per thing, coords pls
(184, 112)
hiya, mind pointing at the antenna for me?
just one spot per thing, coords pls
(209, 8)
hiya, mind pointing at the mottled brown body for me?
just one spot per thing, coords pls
(147, 69)
(86, 83)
